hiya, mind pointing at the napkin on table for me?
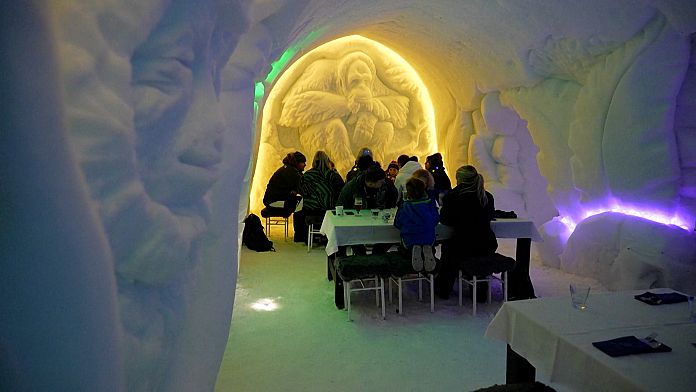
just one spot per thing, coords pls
(661, 299)
(628, 345)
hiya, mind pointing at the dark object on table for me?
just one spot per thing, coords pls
(661, 299)
(629, 345)
(535, 386)
(504, 214)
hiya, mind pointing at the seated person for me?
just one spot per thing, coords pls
(320, 187)
(434, 164)
(372, 187)
(283, 189)
(361, 163)
(407, 165)
(376, 192)
(392, 171)
(468, 208)
(416, 220)
(427, 178)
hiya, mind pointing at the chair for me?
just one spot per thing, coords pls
(375, 283)
(313, 225)
(481, 269)
(363, 273)
(419, 277)
(276, 216)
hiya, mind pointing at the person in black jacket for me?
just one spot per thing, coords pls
(469, 209)
(283, 189)
(434, 164)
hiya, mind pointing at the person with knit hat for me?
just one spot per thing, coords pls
(469, 209)
(392, 171)
(283, 189)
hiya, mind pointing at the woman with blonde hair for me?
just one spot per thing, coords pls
(320, 187)
(469, 209)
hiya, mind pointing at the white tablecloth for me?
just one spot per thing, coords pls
(557, 340)
(363, 229)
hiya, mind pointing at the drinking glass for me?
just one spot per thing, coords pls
(357, 203)
(578, 296)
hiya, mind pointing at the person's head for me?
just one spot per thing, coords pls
(413, 158)
(295, 159)
(426, 177)
(402, 160)
(393, 169)
(364, 162)
(374, 177)
(321, 161)
(415, 189)
(469, 180)
(434, 162)
(362, 152)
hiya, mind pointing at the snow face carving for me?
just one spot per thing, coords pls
(148, 130)
(345, 95)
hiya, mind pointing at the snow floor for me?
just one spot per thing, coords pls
(306, 344)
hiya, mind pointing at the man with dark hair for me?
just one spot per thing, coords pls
(372, 187)
(376, 192)
(361, 164)
(401, 160)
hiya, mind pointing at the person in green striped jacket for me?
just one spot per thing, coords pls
(320, 187)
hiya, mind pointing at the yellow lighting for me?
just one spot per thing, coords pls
(416, 137)
(265, 305)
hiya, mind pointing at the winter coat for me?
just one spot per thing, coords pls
(404, 174)
(416, 220)
(473, 235)
(320, 190)
(384, 197)
(282, 184)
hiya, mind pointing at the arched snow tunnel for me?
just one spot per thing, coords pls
(129, 129)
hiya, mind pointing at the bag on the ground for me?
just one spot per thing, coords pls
(253, 235)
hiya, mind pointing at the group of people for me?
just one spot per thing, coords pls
(424, 196)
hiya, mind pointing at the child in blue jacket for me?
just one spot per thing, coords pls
(416, 219)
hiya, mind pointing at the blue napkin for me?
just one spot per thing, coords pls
(661, 299)
(628, 345)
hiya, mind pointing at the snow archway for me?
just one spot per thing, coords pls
(346, 94)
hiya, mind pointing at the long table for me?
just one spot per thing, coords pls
(557, 340)
(364, 229)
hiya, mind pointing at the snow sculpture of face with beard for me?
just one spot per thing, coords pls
(143, 110)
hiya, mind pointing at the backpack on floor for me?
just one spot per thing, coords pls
(253, 235)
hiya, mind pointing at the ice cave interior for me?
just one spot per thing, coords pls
(134, 131)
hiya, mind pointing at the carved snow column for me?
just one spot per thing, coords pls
(503, 152)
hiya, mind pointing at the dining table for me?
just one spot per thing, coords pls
(557, 339)
(366, 227)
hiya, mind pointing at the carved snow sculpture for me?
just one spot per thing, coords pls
(613, 249)
(505, 154)
(619, 133)
(345, 95)
(355, 110)
(144, 115)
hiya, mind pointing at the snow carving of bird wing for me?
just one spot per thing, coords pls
(312, 107)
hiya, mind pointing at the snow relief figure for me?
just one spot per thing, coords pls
(347, 94)
(144, 114)
(341, 104)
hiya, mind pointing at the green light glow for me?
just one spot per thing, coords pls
(259, 90)
(280, 64)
